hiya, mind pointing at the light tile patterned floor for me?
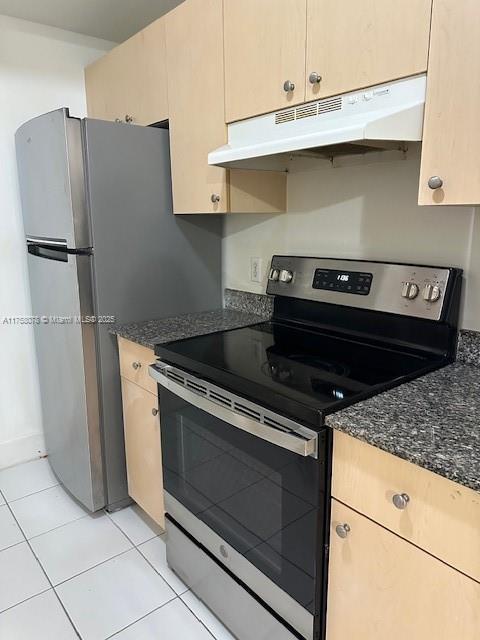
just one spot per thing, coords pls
(66, 574)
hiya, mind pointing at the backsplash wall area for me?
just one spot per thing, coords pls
(361, 209)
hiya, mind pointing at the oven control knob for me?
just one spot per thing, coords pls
(274, 274)
(410, 290)
(285, 276)
(431, 293)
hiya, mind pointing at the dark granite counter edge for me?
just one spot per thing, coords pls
(241, 309)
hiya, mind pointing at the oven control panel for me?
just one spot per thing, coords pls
(355, 282)
(413, 290)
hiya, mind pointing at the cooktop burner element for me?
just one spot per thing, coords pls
(326, 348)
(330, 366)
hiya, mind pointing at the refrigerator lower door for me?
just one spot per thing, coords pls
(61, 293)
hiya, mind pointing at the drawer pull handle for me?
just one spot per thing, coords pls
(136, 365)
(342, 530)
(154, 412)
(401, 500)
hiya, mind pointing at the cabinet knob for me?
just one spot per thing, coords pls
(401, 500)
(128, 118)
(215, 198)
(154, 412)
(314, 78)
(288, 86)
(435, 182)
(136, 365)
(342, 530)
(118, 120)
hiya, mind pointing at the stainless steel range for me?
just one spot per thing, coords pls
(246, 455)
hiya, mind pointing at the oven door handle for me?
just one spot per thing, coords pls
(297, 439)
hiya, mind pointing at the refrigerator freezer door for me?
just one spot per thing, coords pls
(61, 295)
(50, 166)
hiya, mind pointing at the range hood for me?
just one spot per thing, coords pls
(379, 117)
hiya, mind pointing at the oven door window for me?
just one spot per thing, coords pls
(263, 500)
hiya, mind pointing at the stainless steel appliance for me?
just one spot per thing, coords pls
(246, 454)
(102, 244)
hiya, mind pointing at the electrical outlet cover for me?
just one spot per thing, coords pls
(255, 269)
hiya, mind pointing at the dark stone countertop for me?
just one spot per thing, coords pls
(152, 332)
(433, 421)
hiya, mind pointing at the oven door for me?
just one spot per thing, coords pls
(249, 486)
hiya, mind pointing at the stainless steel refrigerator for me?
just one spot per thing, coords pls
(102, 241)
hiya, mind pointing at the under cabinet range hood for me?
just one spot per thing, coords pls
(379, 117)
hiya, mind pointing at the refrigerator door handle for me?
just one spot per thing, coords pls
(46, 242)
(53, 248)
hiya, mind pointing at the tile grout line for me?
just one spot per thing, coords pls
(143, 617)
(46, 576)
(195, 615)
(177, 595)
(159, 574)
(12, 606)
(53, 587)
(126, 535)
(60, 526)
(80, 573)
(27, 495)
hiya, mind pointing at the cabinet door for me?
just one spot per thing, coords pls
(264, 48)
(363, 43)
(451, 135)
(130, 82)
(194, 33)
(143, 449)
(383, 587)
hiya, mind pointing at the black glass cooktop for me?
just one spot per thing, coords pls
(302, 373)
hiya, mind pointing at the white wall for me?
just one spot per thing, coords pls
(358, 211)
(41, 68)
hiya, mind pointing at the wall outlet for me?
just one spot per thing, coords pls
(256, 269)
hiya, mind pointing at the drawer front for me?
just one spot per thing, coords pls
(134, 362)
(438, 515)
(381, 586)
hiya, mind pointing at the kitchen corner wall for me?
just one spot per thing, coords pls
(41, 69)
(363, 209)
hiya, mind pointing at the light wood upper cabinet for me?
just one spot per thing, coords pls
(365, 42)
(130, 82)
(381, 586)
(143, 449)
(451, 135)
(194, 33)
(264, 48)
(196, 89)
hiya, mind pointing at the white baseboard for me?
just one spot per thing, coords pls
(22, 449)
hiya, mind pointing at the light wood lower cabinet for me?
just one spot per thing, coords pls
(143, 449)
(381, 586)
(440, 516)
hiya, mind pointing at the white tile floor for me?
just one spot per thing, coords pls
(65, 574)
